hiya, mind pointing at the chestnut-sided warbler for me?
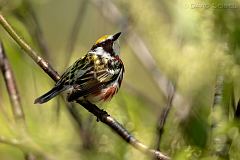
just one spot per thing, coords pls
(96, 77)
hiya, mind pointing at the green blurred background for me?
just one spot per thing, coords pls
(192, 44)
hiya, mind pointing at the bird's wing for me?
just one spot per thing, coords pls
(87, 76)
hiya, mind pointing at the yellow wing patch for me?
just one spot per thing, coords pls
(101, 39)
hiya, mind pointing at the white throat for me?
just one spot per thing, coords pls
(100, 51)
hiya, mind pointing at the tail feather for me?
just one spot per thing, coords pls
(49, 95)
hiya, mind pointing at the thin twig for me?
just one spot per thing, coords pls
(11, 86)
(101, 115)
(163, 118)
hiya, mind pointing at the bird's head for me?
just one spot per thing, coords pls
(107, 44)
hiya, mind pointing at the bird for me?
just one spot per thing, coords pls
(95, 77)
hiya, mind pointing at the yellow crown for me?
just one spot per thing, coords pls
(101, 39)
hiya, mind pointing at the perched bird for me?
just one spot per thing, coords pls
(96, 77)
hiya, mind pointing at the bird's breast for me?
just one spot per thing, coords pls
(103, 95)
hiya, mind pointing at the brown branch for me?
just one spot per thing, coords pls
(104, 117)
(13, 92)
(11, 86)
(101, 115)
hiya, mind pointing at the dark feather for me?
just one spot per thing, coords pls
(84, 92)
(49, 95)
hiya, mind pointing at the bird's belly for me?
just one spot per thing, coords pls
(103, 95)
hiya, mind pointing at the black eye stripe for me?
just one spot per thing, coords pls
(107, 45)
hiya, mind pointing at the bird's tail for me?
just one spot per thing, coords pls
(49, 95)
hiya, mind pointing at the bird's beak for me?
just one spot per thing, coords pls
(115, 36)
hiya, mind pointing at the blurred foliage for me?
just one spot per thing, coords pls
(193, 42)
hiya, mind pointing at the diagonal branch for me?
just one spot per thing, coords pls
(101, 115)
(104, 117)
(41, 62)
